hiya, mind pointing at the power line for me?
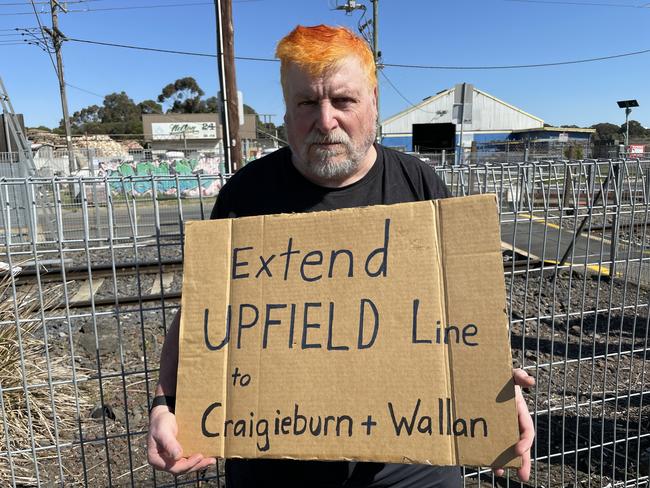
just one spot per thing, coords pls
(391, 65)
(84, 90)
(403, 96)
(142, 48)
(168, 51)
(140, 7)
(583, 4)
(517, 66)
(45, 44)
(47, 3)
(133, 7)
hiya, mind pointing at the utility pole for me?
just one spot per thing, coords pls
(227, 80)
(377, 54)
(349, 7)
(57, 39)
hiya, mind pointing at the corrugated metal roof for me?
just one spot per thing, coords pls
(433, 98)
(418, 106)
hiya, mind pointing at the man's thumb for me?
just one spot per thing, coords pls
(170, 445)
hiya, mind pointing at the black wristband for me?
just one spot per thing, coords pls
(168, 401)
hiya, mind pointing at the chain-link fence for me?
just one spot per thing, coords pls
(92, 282)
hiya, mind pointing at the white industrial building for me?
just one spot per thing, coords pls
(433, 125)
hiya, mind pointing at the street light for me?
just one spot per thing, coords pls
(627, 105)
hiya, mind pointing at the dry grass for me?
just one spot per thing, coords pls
(35, 415)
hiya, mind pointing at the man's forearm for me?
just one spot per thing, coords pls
(169, 360)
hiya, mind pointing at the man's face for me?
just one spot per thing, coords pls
(330, 122)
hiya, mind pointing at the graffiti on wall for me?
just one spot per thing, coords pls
(196, 177)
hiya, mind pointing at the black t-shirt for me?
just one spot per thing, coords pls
(272, 185)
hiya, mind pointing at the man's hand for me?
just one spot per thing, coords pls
(163, 450)
(526, 426)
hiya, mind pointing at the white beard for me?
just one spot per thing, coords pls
(320, 161)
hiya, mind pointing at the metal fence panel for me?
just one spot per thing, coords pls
(14, 198)
(90, 289)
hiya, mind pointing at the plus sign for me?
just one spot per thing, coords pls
(369, 424)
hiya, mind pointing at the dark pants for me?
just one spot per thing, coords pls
(253, 473)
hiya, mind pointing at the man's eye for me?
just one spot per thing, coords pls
(306, 103)
(343, 102)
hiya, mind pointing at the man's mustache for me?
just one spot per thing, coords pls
(331, 138)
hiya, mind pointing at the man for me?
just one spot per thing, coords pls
(330, 92)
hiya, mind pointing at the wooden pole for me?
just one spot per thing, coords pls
(227, 80)
(56, 35)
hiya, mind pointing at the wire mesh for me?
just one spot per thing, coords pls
(92, 281)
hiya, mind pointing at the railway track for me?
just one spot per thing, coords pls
(166, 272)
(48, 275)
(85, 284)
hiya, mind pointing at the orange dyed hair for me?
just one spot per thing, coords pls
(319, 48)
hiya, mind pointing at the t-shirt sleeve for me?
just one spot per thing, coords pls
(435, 185)
(220, 208)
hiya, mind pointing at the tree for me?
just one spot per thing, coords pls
(184, 96)
(120, 114)
(88, 115)
(606, 132)
(88, 119)
(118, 107)
(150, 107)
(636, 129)
(212, 105)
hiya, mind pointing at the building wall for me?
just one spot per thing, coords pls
(246, 132)
(488, 114)
(4, 131)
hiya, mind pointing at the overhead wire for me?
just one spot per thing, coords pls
(47, 3)
(46, 45)
(412, 104)
(519, 66)
(585, 4)
(131, 7)
(390, 65)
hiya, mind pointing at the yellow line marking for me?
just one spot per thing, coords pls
(582, 234)
(539, 219)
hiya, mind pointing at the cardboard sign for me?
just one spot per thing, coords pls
(370, 334)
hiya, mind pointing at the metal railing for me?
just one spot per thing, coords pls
(84, 318)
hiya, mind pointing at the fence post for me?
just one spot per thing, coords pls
(90, 158)
(568, 189)
(615, 220)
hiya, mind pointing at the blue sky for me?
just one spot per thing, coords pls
(449, 33)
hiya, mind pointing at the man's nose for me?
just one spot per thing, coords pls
(326, 121)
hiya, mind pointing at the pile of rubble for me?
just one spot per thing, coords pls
(102, 145)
